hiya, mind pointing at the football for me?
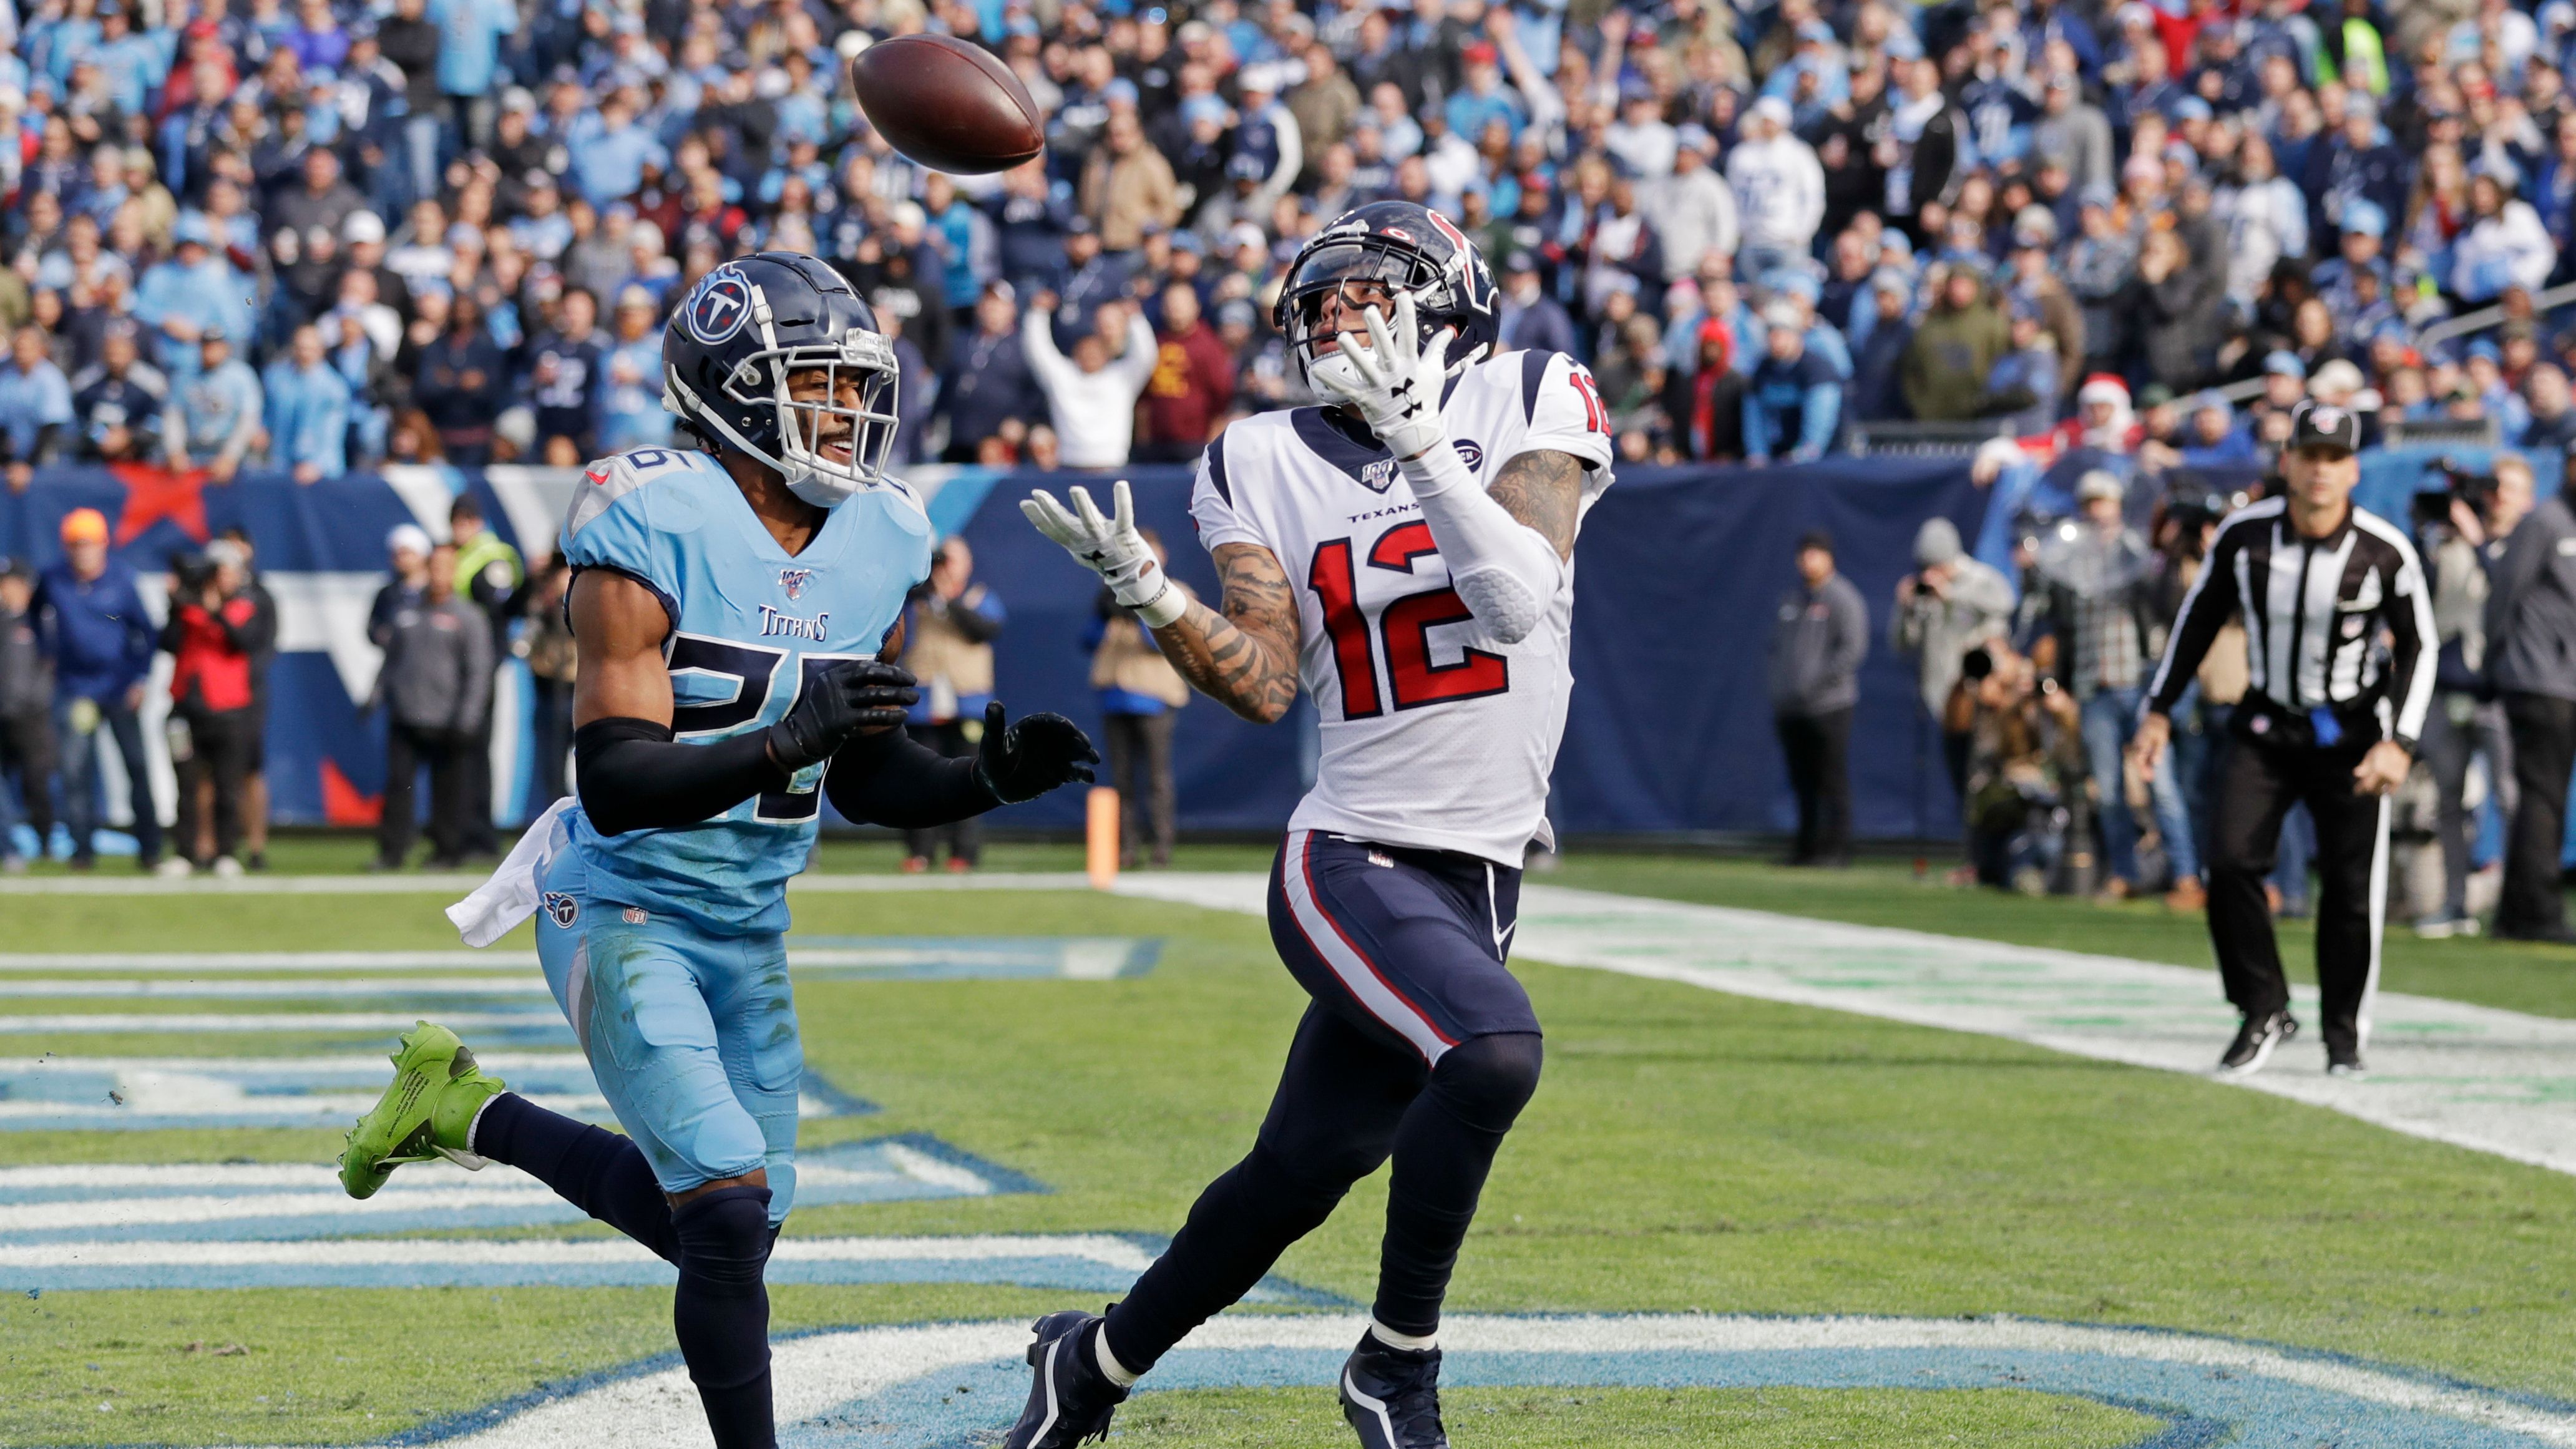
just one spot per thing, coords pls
(948, 104)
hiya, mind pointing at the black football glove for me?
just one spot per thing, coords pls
(843, 700)
(1030, 758)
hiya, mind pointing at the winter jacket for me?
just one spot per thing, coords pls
(1818, 640)
(2531, 610)
(101, 636)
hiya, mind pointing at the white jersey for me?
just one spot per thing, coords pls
(1434, 735)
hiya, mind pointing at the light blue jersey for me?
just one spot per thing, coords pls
(750, 626)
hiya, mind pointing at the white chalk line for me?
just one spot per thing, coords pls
(2500, 1082)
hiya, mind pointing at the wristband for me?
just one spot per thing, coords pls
(1166, 607)
(1437, 470)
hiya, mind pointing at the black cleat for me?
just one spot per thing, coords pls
(2344, 1061)
(2261, 1032)
(1392, 1396)
(1072, 1399)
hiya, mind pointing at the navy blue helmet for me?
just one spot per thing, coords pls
(743, 331)
(1408, 248)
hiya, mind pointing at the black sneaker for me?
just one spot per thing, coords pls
(2254, 1041)
(1392, 1396)
(1072, 1399)
(2344, 1061)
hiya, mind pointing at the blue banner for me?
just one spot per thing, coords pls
(1680, 572)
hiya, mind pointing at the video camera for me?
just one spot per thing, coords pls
(2461, 484)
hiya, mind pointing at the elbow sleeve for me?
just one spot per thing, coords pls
(632, 775)
(890, 778)
(1504, 571)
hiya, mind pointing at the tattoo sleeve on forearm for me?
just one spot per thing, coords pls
(1543, 489)
(1245, 658)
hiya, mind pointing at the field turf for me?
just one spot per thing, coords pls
(1687, 1151)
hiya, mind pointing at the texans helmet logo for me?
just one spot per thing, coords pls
(794, 581)
(720, 306)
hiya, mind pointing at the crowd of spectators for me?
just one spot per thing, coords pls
(313, 234)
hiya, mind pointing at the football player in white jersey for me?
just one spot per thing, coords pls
(1406, 556)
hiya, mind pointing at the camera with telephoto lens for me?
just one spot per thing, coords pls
(194, 572)
(2461, 484)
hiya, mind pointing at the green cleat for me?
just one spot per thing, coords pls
(425, 1113)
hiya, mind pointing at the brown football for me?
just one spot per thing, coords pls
(947, 103)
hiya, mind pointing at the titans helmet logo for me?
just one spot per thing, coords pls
(720, 306)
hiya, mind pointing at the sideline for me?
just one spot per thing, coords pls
(2472, 1076)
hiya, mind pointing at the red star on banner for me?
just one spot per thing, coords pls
(153, 494)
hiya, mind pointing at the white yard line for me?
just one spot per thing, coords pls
(2473, 1076)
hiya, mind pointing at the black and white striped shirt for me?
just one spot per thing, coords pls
(2314, 610)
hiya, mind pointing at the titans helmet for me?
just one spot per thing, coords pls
(1407, 248)
(750, 325)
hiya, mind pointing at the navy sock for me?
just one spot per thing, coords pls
(1442, 1154)
(595, 1170)
(722, 1311)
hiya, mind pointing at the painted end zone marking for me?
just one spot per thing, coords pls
(894, 1388)
(275, 1202)
(131, 1094)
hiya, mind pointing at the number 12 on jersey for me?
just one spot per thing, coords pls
(1405, 625)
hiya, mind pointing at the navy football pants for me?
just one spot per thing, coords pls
(1418, 1045)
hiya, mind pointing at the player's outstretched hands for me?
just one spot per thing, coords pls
(1394, 382)
(1023, 761)
(843, 700)
(1110, 547)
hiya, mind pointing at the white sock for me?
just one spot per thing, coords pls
(484, 1106)
(1110, 1368)
(1406, 1341)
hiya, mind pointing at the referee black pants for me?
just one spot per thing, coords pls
(2260, 784)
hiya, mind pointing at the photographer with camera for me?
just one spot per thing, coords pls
(1950, 604)
(2531, 663)
(215, 633)
(2451, 523)
(2330, 718)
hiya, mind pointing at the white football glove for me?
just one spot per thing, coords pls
(1394, 382)
(1112, 548)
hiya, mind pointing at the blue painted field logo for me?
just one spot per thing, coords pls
(900, 1388)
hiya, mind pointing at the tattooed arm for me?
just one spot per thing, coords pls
(1244, 657)
(1543, 489)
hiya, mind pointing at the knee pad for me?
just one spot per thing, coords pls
(724, 1236)
(1486, 1080)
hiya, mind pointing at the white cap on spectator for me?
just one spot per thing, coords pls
(909, 213)
(2099, 483)
(1782, 316)
(1772, 109)
(518, 98)
(362, 226)
(1246, 234)
(407, 538)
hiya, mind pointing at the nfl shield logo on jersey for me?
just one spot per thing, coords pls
(794, 581)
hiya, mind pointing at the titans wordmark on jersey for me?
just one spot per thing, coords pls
(1434, 733)
(750, 626)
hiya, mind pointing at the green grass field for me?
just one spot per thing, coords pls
(1688, 1151)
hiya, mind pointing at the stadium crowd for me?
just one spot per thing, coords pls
(312, 234)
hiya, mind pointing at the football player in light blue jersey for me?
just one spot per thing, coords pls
(736, 613)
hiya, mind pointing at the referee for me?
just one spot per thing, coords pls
(2330, 717)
